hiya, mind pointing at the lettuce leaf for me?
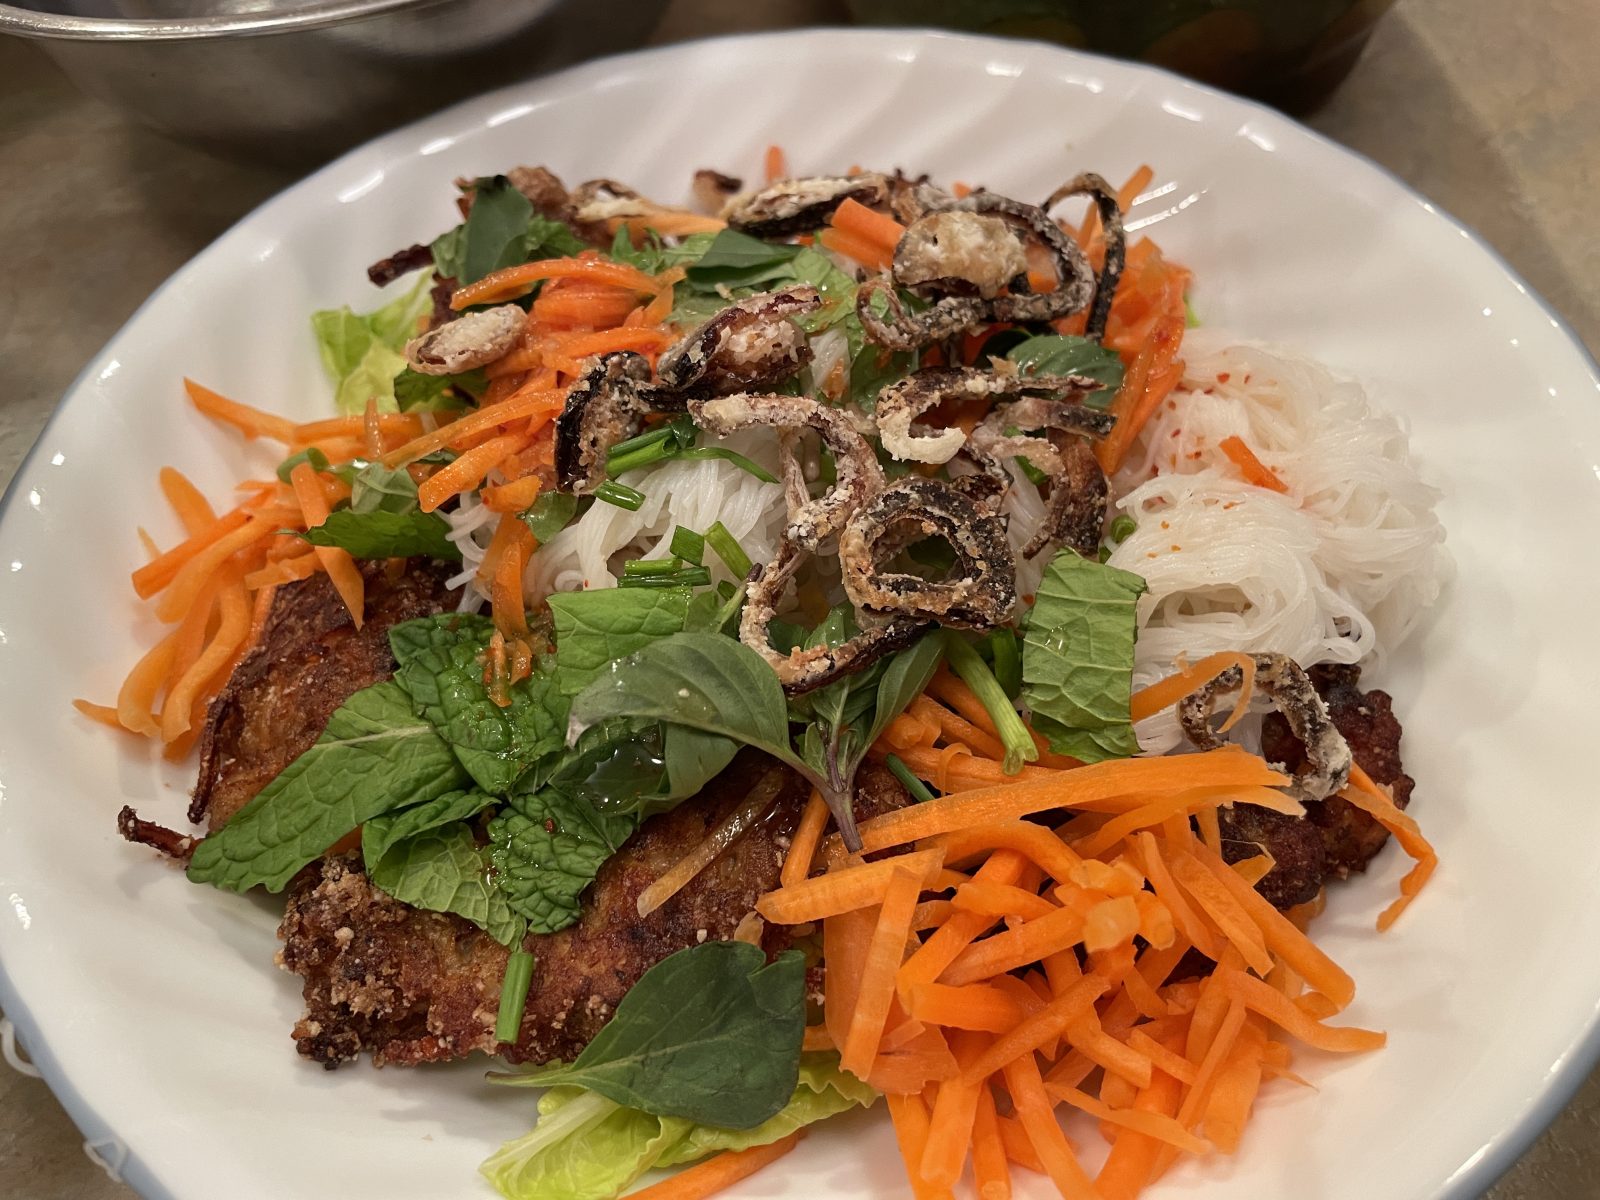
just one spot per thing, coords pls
(1077, 658)
(586, 1147)
(361, 352)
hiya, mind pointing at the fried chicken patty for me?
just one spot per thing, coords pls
(414, 987)
(309, 660)
(1334, 838)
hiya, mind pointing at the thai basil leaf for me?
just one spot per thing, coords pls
(702, 680)
(547, 849)
(381, 534)
(416, 392)
(441, 666)
(549, 515)
(361, 352)
(376, 755)
(737, 260)
(377, 488)
(1066, 354)
(710, 1034)
(1077, 658)
(904, 679)
(443, 870)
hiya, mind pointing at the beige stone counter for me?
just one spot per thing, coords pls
(1492, 110)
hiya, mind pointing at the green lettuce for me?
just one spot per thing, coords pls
(1077, 658)
(586, 1147)
(361, 352)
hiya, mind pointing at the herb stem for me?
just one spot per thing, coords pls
(975, 673)
(919, 790)
(1007, 656)
(513, 996)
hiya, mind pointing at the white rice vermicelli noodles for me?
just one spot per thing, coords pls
(694, 493)
(1336, 569)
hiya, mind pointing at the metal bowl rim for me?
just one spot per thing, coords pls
(31, 23)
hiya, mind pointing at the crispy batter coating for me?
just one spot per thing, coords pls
(310, 660)
(415, 987)
(1334, 838)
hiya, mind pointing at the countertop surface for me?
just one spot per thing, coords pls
(1492, 116)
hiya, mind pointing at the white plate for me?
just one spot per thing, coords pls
(153, 1007)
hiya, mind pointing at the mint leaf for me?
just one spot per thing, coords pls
(710, 1034)
(501, 230)
(375, 756)
(361, 353)
(547, 849)
(654, 256)
(442, 870)
(381, 834)
(381, 534)
(595, 628)
(1067, 354)
(441, 666)
(1077, 658)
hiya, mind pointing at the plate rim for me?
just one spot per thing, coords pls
(1468, 1180)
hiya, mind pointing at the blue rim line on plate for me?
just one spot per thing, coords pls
(1471, 1178)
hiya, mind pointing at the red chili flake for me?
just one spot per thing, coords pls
(1222, 377)
(1175, 549)
(1166, 524)
(549, 825)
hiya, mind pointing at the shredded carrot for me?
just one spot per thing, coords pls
(1155, 1125)
(105, 714)
(1146, 384)
(1252, 468)
(252, 422)
(1038, 844)
(1217, 901)
(845, 890)
(341, 568)
(1001, 900)
(977, 1007)
(807, 836)
(1064, 789)
(876, 989)
(717, 1174)
(874, 228)
(193, 509)
(1038, 1119)
(867, 253)
(514, 497)
(466, 472)
(775, 164)
(1376, 803)
(163, 569)
(505, 591)
(192, 577)
(539, 405)
(910, 1117)
(1272, 1004)
(1131, 1165)
(1048, 1023)
(955, 1108)
(817, 1037)
(232, 629)
(512, 282)
(991, 1174)
(844, 944)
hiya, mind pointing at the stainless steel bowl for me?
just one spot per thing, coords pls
(292, 82)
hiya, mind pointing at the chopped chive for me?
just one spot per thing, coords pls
(919, 790)
(644, 440)
(688, 545)
(1122, 528)
(683, 577)
(1007, 658)
(728, 550)
(1035, 476)
(652, 566)
(619, 494)
(975, 673)
(732, 456)
(513, 996)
